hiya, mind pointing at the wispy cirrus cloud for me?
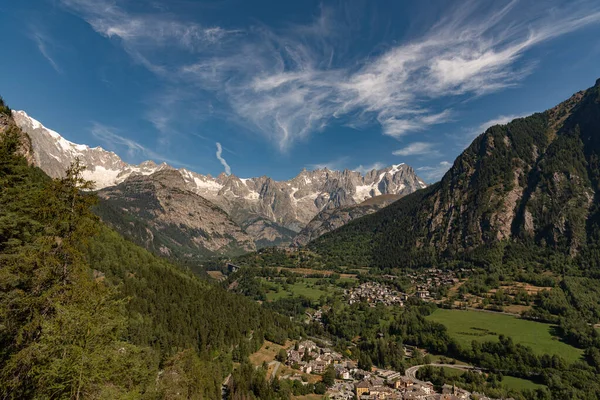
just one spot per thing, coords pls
(44, 43)
(145, 35)
(434, 173)
(499, 120)
(115, 141)
(289, 83)
(363, 169)
(467, 135)
(418, 149)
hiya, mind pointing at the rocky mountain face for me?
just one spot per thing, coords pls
(331, 219)
(293, 204)
(53, 154)
(272, 212)
(533, 181)
(159, 212)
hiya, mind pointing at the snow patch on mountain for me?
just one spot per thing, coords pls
(290, 204)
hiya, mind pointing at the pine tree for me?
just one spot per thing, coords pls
(62, 332)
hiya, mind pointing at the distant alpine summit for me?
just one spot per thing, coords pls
(271, 212)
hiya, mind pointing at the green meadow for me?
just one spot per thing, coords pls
(303, 287)
(510, 382)
(466, 326)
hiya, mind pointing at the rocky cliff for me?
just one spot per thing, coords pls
(159, 212)
(331, 219)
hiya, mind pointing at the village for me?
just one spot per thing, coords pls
(431, 279)
(376, 384)
(374, 293)
(425, 284)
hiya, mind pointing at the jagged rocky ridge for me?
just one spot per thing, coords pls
(292, 204)
(272, 212)
(532, 181)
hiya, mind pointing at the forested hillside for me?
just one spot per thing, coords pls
(533, 182)
(86, 314)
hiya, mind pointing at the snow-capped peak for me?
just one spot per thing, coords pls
(291, 203)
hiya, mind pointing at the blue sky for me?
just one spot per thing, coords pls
(270, 87)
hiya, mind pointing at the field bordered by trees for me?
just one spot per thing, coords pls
(465, 326)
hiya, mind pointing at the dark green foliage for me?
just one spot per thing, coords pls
(376, 336)
(533, 182)
(62, 331)
(490, 384)
(4, 108)
(172, 309)
(86, 314)
(329, 376)
(250, 381)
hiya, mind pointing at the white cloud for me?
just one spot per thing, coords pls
(43, 42)
(435, 172)
(417, 149)
(363, 169)
(285, 92)
(143, 34)
(469, 134)
(499, 120)
(222, 160)
(112, 139)
(285, 84)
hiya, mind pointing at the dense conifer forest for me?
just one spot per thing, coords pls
(87, 314)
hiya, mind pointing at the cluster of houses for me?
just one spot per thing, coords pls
(355, 383)
(434, 277)
(430, 280)
(373, 293)
(310, 358)
(391, 385)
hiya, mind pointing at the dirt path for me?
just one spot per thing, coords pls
(277, 365)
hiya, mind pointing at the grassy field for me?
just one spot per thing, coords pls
(217, 275)
(267, 352)
(466, 326)
(441, 359)
(452, 371)
(511, 382)
(300, 288)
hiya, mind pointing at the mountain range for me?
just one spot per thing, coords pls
(533, 182)
(224, 215)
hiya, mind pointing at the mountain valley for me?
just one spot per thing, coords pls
(271, 212)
